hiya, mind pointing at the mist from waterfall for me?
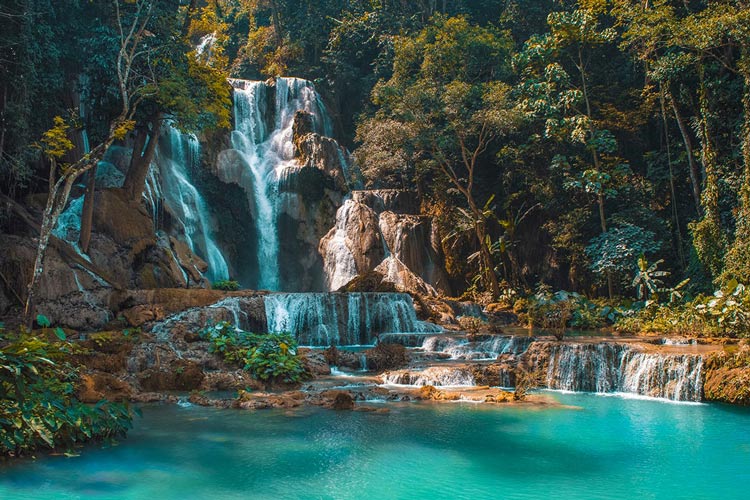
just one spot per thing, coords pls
(263, 138)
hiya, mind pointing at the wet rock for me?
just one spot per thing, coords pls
(414, 241)
(431, 393)
(315, 361)
(353, 246)
(230, 380)
(342, 359)
(337, 400)
(386, 357)
(69, 296)
(106, 352)
(371, 281)
(728, 385)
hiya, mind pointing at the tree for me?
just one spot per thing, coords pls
(132, 27)
(446, 90)
(551, 92)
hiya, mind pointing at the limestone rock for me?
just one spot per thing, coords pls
(399, 201)
(353, 246)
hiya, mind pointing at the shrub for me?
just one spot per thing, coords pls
(471, 325)
(269, 356)
(38, 407)
(725, 313)
(226, 285)
(386, 356)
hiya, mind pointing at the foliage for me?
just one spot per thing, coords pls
(471, 325)
(38, 407)
(269, 356)
(724, 313)
(562, 309)
(226, 285)
(614, 251)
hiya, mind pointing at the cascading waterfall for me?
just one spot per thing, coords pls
(611, 367)
(323, 319)
(266, 154)
(184, 200)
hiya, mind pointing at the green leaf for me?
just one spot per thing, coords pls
(60, 333)
(42, 320)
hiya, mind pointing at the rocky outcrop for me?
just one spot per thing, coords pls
(69, 295)
(404, 248)
(727, 377)
(399, 201)
(415, 242)
(403, 278)
(353, 246)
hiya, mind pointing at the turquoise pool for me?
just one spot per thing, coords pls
(604, 447)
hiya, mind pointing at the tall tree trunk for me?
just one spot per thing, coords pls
(692, 166)
(597, 162)
(675, 213)
(87, 213)
(135, 180)
(480, 230)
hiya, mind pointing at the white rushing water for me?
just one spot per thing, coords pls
(185, 201)
(610, 367)
(323, 319)
(339, 264)
(266, 152)
(438, 376)
(485, 349)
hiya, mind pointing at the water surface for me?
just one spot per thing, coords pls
(607, 447)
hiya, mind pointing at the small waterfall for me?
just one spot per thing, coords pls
(339, 265)
(488, 348)
(323, 319)
(266, 154)
(609, 367)
(438, 376)
(68, 226)
(184, 200)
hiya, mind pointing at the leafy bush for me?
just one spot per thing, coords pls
(268, 356)
(562, 309)
(725, 313)
(615, 251)
(38, 407)
(226, 285)
(471, 325)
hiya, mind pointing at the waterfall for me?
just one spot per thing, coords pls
(610, 367)
(266, 151)
(339, 265)
(323, 319)
(487, 348)
(438, 376)
(184, 200)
